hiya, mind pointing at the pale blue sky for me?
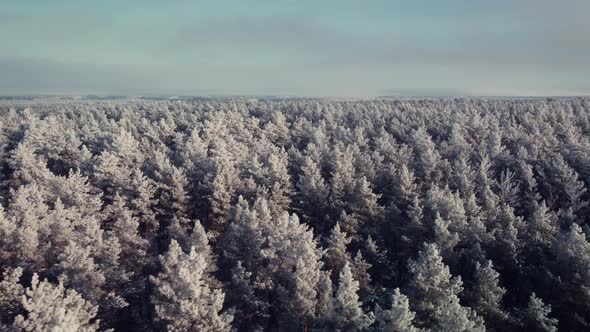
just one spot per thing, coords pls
(344, 48)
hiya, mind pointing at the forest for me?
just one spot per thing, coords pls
(237, 214)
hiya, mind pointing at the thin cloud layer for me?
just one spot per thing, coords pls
(344, 48)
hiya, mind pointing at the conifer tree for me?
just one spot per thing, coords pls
(79, 271)
(536, 316)
(336, 253)
(451, 316)
(249, 310)
(364, 204)
(432, 285)
(293, 263)
(541, 226)
(125, 228)
(312, 190)
(399, 318)
(406, 188)
(444, 238)
(348, 312)
(427, 158)
(360, 271)
(325, 303)
(11, 292)
(487, 293)
(183, 301)
(53, 308)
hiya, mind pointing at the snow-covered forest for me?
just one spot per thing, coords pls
(295, 215)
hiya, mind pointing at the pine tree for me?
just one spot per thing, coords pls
(444, 238)
(432, 285)
(572, 263)
(397, 319)
(306, 282)
(507, 229)
(54, 308)
(541, 226)
(76, 193)
(415, 229)
(487, 293)
(572, 251)
(27, 167)
(293, 266)
(343, 175)
(278, 129)
(79, 271)
(494, 142)
(325, 303)
(198, 239)
(360, 271)
(568, 181)
(250, 311)
(26, 213)
(336, 253)
(406, 188)
(244, 238)
(536, 316)
(452, 317)
(530, 193)
(427, 158)
(171, 181)
(125, 228)
(348, 312)
(11, 292)
(488, 200)
(220, 197)
(508, 188)
(449, 205)
(278, 180)
(350, 224)
(141, 201)
(464, 175)
(364, 205)
(183, 301)
(7, 229)
(312, 191)
(458, 144)
(476, 231)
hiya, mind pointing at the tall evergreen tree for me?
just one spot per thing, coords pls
(432, 285)
(183, 301)
(348, 312)
(11, 292)
(536, 316)
(312, 191)
(53, 308)
(336, 253)
(397, 319)
(454, 317)
(487, 293)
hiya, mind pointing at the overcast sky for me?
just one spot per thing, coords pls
(340, 48)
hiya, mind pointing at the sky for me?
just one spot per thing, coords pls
(334, 48)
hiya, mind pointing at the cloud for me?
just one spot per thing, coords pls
(46, 76)
(516, 37)
(304, 48)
